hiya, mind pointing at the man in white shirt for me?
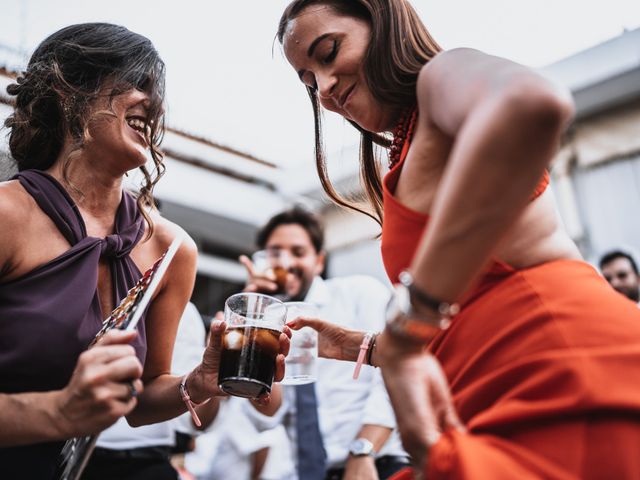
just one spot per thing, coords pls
(354, 417)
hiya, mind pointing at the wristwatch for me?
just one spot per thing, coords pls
(361, 447)
(404, 321)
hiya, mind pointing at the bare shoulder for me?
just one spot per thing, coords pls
(465, 64)
(17, 209)
(165, 232)
(455, 82)
(450, 62)
(16, 205)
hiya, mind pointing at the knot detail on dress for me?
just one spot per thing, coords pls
(112, 247)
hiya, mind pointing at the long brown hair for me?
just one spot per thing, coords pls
(64, 77)
(400, 46)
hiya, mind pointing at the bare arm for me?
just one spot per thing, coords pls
(364, 466)
(506, 123)
(96, 396)
(28, 418)
(161, 399)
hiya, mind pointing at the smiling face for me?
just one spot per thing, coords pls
(306, 263)
(327, 50)
(118, 131)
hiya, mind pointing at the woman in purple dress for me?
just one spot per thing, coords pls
(88, 109)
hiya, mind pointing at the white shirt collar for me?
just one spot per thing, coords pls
(319, 293)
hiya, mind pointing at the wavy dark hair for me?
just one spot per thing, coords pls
(65, 76)
(400, 46)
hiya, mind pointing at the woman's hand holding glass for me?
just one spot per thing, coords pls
(203, 381)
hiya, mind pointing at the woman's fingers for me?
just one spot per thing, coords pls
(125, 391)
(287, 331)
(116, 336)
(216, 330)
(211, 357)
(106, 353)
(300, 322)
(279, 372)
(120, 369)
(285, 344)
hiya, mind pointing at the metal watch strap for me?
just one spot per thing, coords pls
(446, 309)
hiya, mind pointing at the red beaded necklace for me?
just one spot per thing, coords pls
(401, 134)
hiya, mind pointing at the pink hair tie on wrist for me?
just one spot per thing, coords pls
(184, 394)
(364, 346)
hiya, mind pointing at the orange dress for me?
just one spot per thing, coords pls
(543, 364)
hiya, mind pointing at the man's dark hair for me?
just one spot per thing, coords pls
(294, 216)
(615, 254)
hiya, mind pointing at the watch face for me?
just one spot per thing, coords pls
(360, 446)
(399, 303)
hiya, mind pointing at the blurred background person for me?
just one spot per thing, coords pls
(621, 271)
(338, 427)
(234, 448)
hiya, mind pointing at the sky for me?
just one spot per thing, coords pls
(229, 82)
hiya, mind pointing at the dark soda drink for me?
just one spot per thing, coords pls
(281, 274)
(248, 360)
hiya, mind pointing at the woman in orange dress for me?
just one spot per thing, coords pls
(540, 356)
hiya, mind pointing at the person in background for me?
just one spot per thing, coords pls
(621, 271)
(505, 355)
(338, 427)
(232, 447)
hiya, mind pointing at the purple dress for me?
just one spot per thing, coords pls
(50, 315)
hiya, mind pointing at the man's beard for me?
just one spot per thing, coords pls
(305, 286)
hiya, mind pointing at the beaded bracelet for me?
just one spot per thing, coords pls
(372, 345)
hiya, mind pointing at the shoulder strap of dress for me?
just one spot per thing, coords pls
(54, 201)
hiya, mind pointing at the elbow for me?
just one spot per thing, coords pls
(542, 107)
(134, 419)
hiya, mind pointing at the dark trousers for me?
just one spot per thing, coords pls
(136, 464)
(386, 467)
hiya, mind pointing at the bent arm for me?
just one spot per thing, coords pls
(506, 122)
(161, 398)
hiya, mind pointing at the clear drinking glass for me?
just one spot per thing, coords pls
(251, 343)
(273, 263)
(300, 364)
